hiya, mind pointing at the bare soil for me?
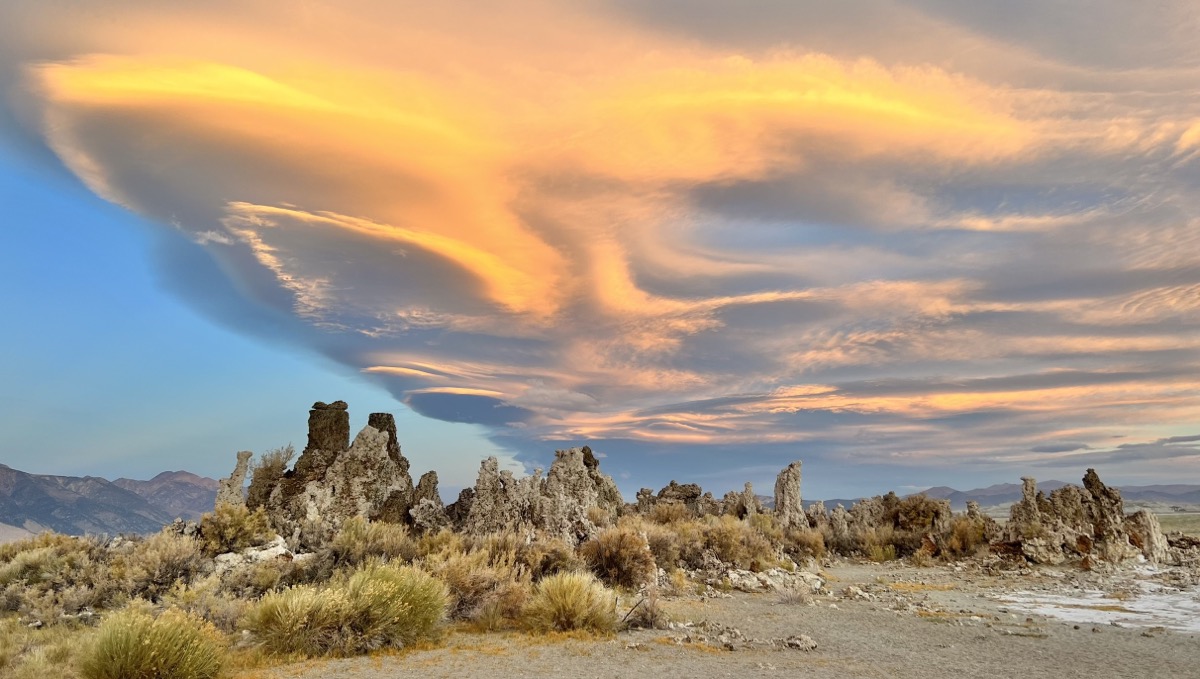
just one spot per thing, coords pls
(876, 620)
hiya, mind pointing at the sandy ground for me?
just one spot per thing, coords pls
(888, 621)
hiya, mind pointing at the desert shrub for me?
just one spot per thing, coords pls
(133, 644)
(877, 544)
(767, 525)
(670, 512)
(965, 537)
(678, 583)
(31, 566)
(547, 556)
(159, 561)
(845, 544)
(664, 545)
(620, 557)
(917, 513)
(802, 543)
(739, 544)
(922, 558)
(205, 599)
(265, 475)
(52, 577)
(37, 653)
(472, 580)
(690, 539)
(359, 540)
(571, 601)
(599, 517)
(647, 612)
(444, 540)
(232, 528)
(376, 606)
(50, 539)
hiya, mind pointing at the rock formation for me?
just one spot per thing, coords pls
(334, 480)
(741, 504)
(788, 506)
(232, 489)
(817, 516)
(574, 485)
(428, 513)
(1087, 523)
(1146, 534)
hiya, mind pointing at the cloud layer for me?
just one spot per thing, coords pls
(932, 236)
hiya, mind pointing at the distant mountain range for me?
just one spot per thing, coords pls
(31, 503)
(1007, 493)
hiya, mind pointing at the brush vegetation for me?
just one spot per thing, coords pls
(70, 606)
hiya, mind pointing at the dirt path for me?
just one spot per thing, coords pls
(882, 621)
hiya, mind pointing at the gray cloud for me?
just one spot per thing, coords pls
(891, 235)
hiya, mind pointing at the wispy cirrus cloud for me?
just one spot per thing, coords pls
(627, 222)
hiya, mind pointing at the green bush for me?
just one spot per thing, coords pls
(377, 606)
(571, 601)
(232, 528)
(620, 557)
(132, 644)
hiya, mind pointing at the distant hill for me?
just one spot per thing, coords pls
(1007, 493)
(77, 505)
(182, 494)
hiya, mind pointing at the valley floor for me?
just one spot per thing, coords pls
(879, 620)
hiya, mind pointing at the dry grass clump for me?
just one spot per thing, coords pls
(359, 540)
(621, 557)
(376, 606)
(670, 512)
(133, 644)
(477, 580)
(232, 528)
(31, 653)
(571, 601)
(266, 473)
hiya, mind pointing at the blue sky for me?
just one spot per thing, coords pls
(911, 243)
(109, 374)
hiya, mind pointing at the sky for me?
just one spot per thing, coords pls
(909, 243)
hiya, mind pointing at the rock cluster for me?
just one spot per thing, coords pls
(335, 479)
(1085, 522)
(566, 504)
